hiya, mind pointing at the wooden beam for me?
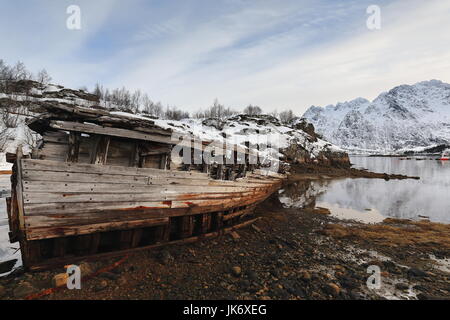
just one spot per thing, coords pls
(109, 131)
(76, 230)
(56, 166)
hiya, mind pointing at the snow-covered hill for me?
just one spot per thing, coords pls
(406, 117)
(296, 142)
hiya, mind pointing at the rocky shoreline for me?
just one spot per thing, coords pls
(315, 172)
(287, 254)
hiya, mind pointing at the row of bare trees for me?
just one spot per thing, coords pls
(134, 101)
(138, 102)
(20, 72)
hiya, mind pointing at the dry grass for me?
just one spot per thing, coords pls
(317, 210)
(396, 233)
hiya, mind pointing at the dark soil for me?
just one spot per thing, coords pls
(288, 254)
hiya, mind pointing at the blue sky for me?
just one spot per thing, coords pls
(276, 54)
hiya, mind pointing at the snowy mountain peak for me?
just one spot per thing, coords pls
(405, 117)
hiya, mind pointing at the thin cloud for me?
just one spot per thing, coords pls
(289, 54)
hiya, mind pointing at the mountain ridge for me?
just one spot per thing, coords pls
(403, 118)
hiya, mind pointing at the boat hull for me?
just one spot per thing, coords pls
(64, 212)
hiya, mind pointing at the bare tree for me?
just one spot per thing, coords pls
(20, 72)
(173, 113)
(135, 101)
(43, 77)
(217, 111)
(287, 116)
(253, 110)
(98, 91)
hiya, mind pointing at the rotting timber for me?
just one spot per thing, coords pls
(103, 184)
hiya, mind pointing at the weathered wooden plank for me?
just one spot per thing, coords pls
(173, 200)
(56, 137)
(109, 131)
(19, 189)
(54, 166)
(79, 187)
(124, 196)
(118, 215)
(195, 206)
(34, 175)
(64, 231)
(48, 176)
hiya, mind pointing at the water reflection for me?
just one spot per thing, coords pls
(406, 199)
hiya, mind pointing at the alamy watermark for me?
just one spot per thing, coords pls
(374, 280)
(374, 20)
(73, 277)
(73, 22)
(253, 149)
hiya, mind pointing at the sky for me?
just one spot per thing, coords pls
(280, 54)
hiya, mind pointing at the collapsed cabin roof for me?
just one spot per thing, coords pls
(96, 120)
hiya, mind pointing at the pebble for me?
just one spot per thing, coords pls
(252, 275)
(333, 289)
(401, 286)
(305, 275)
(414, 272)
(236, 271)
(102, 285)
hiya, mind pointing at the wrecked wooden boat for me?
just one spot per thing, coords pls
(102, 184)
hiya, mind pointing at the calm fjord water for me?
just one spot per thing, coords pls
(371, 200)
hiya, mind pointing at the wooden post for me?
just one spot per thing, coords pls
(95, 242)
(74, 147)
(206, 222)
(136, 239)
(100, 153)
(187, 226)
(126, 239)
(134, 156)
(59, 247)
